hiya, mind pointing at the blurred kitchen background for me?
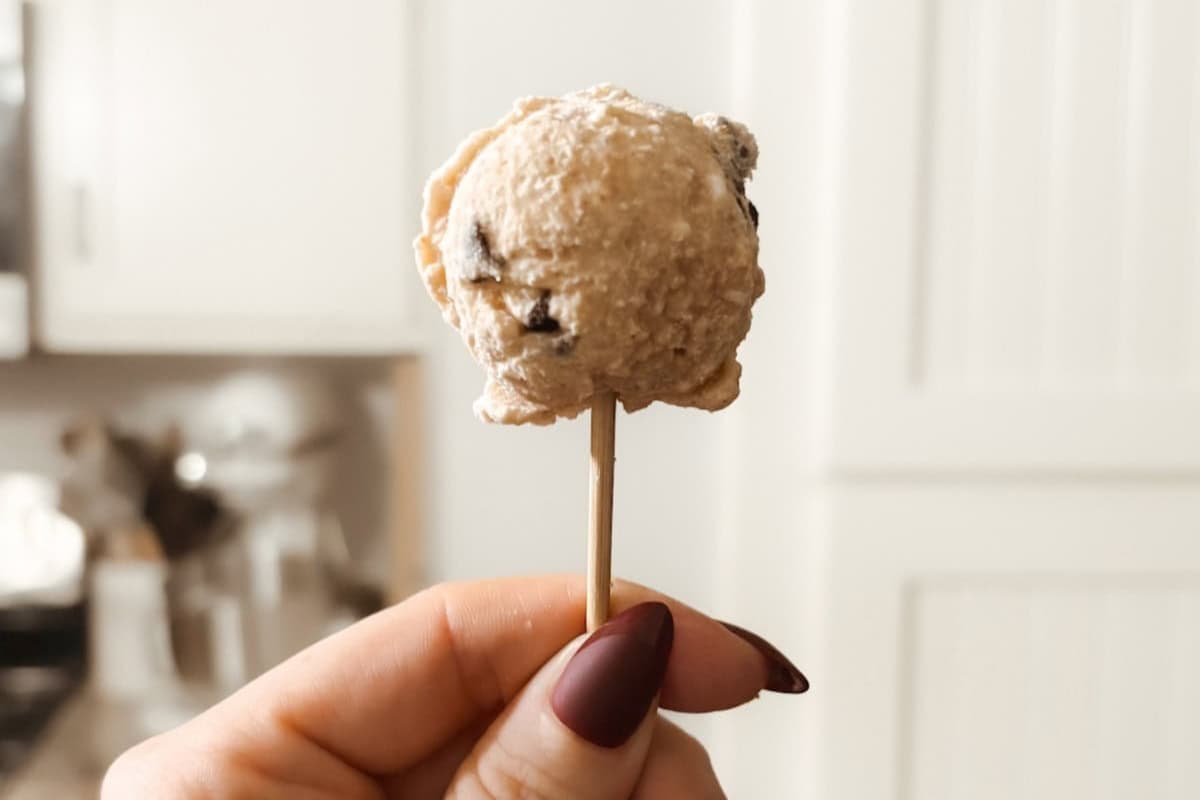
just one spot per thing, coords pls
(961, 487)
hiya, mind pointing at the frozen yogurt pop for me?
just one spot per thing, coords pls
(594, 244)
(594, 248)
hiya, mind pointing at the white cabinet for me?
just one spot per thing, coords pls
(1008, 527)
(1019, 641)
(1019, 238)
(968, 503)
(222, 176)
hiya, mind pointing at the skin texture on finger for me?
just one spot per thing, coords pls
(429, 779)
(391, 690)
(190, 762)
(530, 753)
(676, 766)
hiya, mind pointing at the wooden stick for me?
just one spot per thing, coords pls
(599, 581)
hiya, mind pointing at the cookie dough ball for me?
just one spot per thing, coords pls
(594, 243)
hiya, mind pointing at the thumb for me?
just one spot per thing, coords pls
(582, 727)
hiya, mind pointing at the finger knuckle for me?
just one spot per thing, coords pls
(505, 775)
(443, 591)
(164, 767)
(131, 772)
(694, 750)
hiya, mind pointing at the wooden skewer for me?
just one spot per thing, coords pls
(599, 580)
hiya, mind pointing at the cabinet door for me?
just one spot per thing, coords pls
(1003, 286)
(1020, 641)
(1019, 237)
(1013, 572)
(225, 175)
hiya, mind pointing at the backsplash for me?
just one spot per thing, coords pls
(41, 396)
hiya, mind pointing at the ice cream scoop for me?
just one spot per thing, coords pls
(592, 244)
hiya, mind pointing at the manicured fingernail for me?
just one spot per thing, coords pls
(782, 675)
(610, 682)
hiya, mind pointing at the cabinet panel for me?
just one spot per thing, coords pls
(1019, 249)
(225, 175)
(1051, 687)
(994, 641)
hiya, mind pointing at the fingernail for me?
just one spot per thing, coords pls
(610, 682)
(782, 675)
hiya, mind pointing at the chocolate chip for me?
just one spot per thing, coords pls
(564, 345)
(480, 247)
(483, 263)
(679, 351)
(740, 185)
(743, 152)
(539, 319)
(754, 215)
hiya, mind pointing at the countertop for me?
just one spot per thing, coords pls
(83, 739)
(61, 766)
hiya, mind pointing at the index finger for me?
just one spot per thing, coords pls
(389, 691)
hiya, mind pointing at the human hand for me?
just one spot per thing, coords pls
(473, 690)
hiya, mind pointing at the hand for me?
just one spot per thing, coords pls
(476, 690)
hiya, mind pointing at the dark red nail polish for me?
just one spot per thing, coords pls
(782, 675)
(610, 682)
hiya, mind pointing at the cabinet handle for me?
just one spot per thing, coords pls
(78, 200)
(81, 210)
